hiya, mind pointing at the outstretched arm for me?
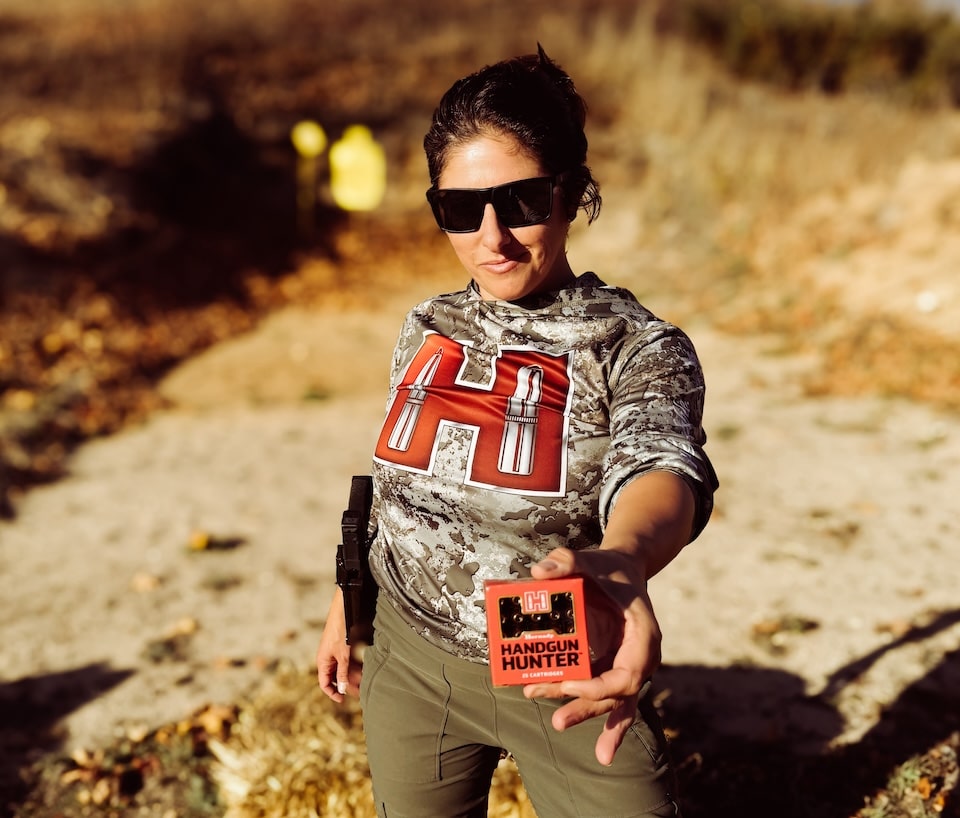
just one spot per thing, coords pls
(649, 525)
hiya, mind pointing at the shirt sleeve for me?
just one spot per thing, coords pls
(656, 417)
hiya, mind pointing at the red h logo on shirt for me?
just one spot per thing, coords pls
(518, 420)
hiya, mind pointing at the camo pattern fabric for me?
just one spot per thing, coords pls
(510, 429)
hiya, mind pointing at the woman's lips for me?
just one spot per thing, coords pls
(501, 267)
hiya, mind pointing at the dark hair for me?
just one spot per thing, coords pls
(532, 99)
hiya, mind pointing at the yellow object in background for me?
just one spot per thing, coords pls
(308, 138)
(310, 141)
(358, 170)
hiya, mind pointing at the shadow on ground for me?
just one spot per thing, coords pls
(750, 742)
(31, 710)
(747, 741)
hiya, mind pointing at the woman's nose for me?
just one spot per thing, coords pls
(492, 233)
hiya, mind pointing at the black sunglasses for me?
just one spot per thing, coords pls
(517, 204)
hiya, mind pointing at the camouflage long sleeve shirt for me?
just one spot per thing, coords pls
(510, 429)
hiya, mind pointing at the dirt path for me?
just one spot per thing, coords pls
(835, 533)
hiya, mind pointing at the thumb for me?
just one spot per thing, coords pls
(558, 563)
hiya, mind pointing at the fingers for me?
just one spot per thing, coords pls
(611, 737)
(334, 670)
(579, 710)
(339, 670)
(544, 690)
(332, 692)
(560, 562)
(340, 681)
(611, 686)
(590, 703)
(612, 695)
(329, 683)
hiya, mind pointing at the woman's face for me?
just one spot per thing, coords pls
(507, 263)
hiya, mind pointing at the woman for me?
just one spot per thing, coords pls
(542, 424)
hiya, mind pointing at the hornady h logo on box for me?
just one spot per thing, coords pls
(536, 602)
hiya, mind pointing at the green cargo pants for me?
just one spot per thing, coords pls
(435, 727)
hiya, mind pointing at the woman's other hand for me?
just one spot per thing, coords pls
(337, 671)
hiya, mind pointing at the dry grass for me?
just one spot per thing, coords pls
(294, 753)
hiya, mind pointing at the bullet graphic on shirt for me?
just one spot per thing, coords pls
(520, 422)
(406, 424)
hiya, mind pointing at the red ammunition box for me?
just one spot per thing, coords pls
(537, 630)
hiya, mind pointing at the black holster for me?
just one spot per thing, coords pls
(353, 565)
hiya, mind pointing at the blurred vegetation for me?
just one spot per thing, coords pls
(900, 49)
(147, 178)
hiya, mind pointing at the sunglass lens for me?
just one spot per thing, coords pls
(459, 211)
(524, 203)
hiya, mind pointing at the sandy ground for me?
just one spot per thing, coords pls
(829, 567)
(840, 514)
